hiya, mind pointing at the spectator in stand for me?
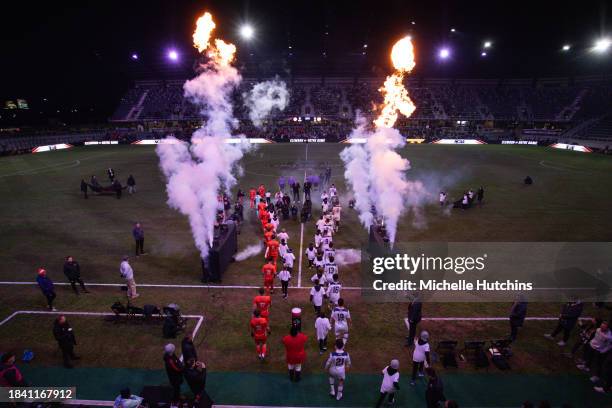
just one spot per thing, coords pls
(84, 189)
(570, 313)
(126, 399)
(518, 311)
(127, 273)
(10, 376)
(131, 184)
(390, 383)
(72, 270)
(174, 369)
(412, 319)
(66, 340)
(46, 286)
(295, 352)
(598, 348)
(138, 234)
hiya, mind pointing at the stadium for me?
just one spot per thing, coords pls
(443, 178)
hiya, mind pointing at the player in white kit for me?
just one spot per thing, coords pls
(330, 269)
(341, 317)
(337, 364)
(336, 210)
(333, 291)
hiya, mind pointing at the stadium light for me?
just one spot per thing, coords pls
(566, 47)
(173, 55)
(483, 54)
(487, 44)
(134, 56)
(247, 32)
(602, 45)
(453, 30)
(444, 53)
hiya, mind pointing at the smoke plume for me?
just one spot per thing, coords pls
(197, 172)
(248, 252)
(265, 97)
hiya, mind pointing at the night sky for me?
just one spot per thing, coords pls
(79, 55)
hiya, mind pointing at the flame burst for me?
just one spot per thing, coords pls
(221, 53)
(393, 90)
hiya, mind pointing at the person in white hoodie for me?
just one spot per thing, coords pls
(390, 383)
(598, 348)
(127, 273)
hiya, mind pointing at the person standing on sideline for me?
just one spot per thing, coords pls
(517, 316)
(570, 313)
(127, 273)
(390, 383)
(195, 376)
(72, 270)
(131, 184)
(174, 369)
(316, 296)
(322, 327)
(111, 174)
(10, 376)
(420, 356)
(138, 234)
(296, 191)
(46, 286)
(480, 195)
(64, 335)
(597, 350)
(442, 198)
(412, 319)
(296, 354)
(188, 349)
(435, 389)
(285, 276)
(84, 188)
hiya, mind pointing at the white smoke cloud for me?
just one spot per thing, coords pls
(265, 97)
(347, 256)
(248, 252)
(377, 175)
(196, 173)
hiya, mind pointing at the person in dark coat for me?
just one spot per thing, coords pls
(118, 188)
(435, 389)
(138, 234)
(296, 191)
(131, 184)
(518, 311)
(111, 174)
(188, 348)
(480, 195)
(174, 369)
(84, 188)
(72, 270)
(46, 286)
(10, 376)
(570, 313)
(66, 340)
(414, 317)
(195, 376)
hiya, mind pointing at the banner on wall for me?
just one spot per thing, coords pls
(575, 148)
(459, 141)
(48, 148)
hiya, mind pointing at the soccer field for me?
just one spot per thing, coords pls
(43, 218)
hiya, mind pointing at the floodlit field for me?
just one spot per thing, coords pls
(43, 218)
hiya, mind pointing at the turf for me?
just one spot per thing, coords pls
(43, 218)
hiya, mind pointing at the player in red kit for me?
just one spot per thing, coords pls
(262, 303)
(252, 194)
(259, 332)
(272, 250)
(269, 272)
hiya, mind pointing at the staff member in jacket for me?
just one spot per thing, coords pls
(64, 335)
(138, 234)
(195, 376)
(72, 270)
(174, 369)
(570, 313)
(46, 286)
(518, 311)
(412, 319)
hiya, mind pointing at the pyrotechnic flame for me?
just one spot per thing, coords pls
(220, 52)
(395, 94)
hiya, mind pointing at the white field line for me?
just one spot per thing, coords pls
(40, 312)
(299, 282)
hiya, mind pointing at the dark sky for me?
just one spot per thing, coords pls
(80, 54)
